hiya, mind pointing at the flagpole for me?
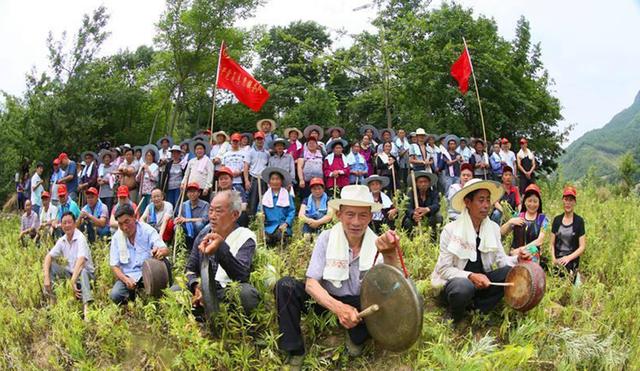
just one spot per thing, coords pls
(215, 89)
(475, 83)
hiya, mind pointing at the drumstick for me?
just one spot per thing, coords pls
(369, 311)
(504, 284)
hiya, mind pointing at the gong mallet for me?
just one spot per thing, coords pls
(415, 197)
(369, 311)
(503, 284)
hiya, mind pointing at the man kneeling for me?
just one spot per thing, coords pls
(340, 258)
(228, 247)
(74, 249)
(470, 247)
(131, 245)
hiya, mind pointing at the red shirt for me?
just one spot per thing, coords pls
(339, 163)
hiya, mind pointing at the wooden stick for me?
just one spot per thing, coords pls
(393, 175)
(215, 89)
(180, 206)
(261, 210)
(484, 132)
(504, 284)
(369, 311)
(416, 204)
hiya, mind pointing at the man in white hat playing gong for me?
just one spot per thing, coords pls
(470, 249)
(339, 261)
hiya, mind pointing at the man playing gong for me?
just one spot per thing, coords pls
(470, 248)
(340, 259)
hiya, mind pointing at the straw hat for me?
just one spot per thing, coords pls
(221, 132)
(451, 137)
(333, 128)
(375, 132)
(355, 195)
(420, 131)
(268, 171)
(384, 181)
(273, 124)
(152, 148)
(494, 188)
(423, 174)
(310, 128)
(287, 131)
(167, 138)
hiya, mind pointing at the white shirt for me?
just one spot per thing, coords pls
(235, 161)
(49, 215)
(71, 251)
(509, 158)
(36, 193)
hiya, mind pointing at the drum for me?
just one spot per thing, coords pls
(155, 277)
(528, 282)
(393, 310)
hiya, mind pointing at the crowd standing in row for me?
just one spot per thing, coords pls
(214, 184)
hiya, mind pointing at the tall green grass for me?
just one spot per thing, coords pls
(594, 326)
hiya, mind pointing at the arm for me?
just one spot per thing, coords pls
(445, 266)
(245, 175)
(77, 268)
(552, 247)
(302, 213)
(300, 166)
(192, 267)
(347, 315)
(145, 214)
(46, 270)
(519, 164)
(238, 267)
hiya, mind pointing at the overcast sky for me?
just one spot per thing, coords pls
(590, 47)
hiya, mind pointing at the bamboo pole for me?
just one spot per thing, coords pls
(475, 83)
(415, 197)
(215, 89)
(181, 199)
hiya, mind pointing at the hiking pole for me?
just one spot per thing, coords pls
(415, 197)
(181, 199)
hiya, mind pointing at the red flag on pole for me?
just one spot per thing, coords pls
(461, 70)
(231, 76)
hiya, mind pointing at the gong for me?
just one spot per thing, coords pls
(393, 310)
(208, 288)
(155, 277)
(527, 285)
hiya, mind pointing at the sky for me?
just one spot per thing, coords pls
(589, 47)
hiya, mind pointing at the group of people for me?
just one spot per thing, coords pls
(344, 194)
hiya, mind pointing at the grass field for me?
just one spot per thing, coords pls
(594, 326)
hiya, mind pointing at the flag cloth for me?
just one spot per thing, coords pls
(231, 76)
(461, 70)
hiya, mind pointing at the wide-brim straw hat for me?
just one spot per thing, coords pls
(384, 181)
(95, 156)
(221, 132)
(451, 137)
(355, 195)
(391, 131)
(287, 131)
(207, 146)
(310, 128)
(268, 171)
(166, 137)
(152, 148)
(424, 174)
(282, 141)
(364, 128)
(334, 142)
(421, 131)
(331, 129)
(105, 152)
(273, 124)
(495, 189)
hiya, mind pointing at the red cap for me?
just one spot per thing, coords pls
(62, 190)
(123, 191)
(91, 191)
(236, 137)
(569, 191)
(258, 135)
(193, 185)
(56, 161)
(466, 166)
(223, 170)
(523, 141)
(533, 188)
(504, 141)
(315, 182)
(46, 194)
(62, 156)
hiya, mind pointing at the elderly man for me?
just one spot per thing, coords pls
(70, 178)
(268, 128)
(122, 195)
(194, 214)
(131, 245)
(428, 205)
(66, 204)
(229, 248)
(235, 159)
(340, 258)
(93, 217)
(29, 223)
(79, 266)
(256, 160)
(48, 215)
(470, 251)
(128, 170)
(225, 183)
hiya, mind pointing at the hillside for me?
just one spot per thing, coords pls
(603, 147)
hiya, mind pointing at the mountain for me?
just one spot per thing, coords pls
(603, 147)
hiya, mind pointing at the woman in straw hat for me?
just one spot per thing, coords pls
(470, 249)
(278, 206)
(148, 174)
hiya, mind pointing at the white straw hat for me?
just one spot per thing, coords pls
(355, 195)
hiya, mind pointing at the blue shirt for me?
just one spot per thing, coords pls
(276, 215)
(71, 169)
(72, 206)
(146, 239)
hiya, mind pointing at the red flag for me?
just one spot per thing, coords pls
(233, 77)
(461, 70)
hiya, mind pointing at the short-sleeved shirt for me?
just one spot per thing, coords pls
(175, 176)
(36, 193)
(145, 240)
(48, 215)
(71, 251)
(29, 221)
(509, 158)
(257, 160)
(71, 206)
(567, 236)
(72, 186)
(98, 213)
(167, 209)
(105, 172)
(235, 161)
(350, 286)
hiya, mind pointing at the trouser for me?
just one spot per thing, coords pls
(92, 231)
(434, 219)
(173, 196)
(404, 175)
(249, 298)
(84, 281)
(133, 196)
(254, 197)
(524, 182)
(274, 239)
(55, 203)
(448, 181)
(460, 293)
(496, 216)
(108, 202)
(291, 302)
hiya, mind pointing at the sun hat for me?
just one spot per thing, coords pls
(494, 188)
(384, 181)
(175, 148)
(194, 143)
(221, 132)
(355, 195)
(334, 128)
(451, 137)
(310, 128)
(335, 142)
(420, 131)
(288, 131)
(268, 171)
(374, 130)
(273, 124)
(152, 148)
(167, 138)
(424, 174)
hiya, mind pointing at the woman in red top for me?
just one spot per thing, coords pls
(335, 167)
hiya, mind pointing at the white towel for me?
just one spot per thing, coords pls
(283, 198)
(123, 251)
(235, 240)
(336, 267)
(463, 241)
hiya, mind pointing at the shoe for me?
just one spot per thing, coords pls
(353, 349)
(294, 363)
